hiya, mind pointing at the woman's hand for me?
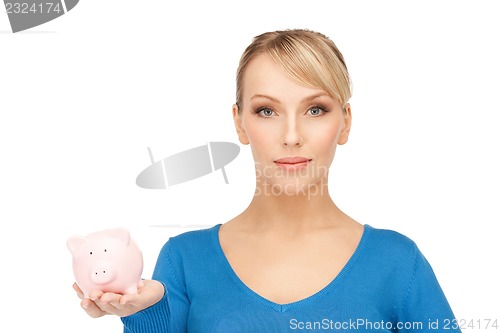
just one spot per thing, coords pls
(99, 304)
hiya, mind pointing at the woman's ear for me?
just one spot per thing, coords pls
(237, 123)
(344, 134)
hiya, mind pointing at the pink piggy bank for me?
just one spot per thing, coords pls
(108, 260)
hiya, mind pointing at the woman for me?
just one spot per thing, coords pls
(292, 260)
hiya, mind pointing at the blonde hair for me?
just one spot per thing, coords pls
(309, 57)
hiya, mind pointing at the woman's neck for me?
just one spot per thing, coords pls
(298, 211)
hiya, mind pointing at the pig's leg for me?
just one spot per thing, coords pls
(131, 290)
(140, 284)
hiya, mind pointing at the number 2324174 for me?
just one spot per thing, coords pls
(471, 324)
(26, 8)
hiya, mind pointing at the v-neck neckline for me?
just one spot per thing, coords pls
(302, 302)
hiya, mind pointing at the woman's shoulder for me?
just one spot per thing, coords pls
(195, 234)
(193, 241)
(389, 242)
(393, 255)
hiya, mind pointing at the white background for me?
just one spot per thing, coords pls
(83, 96)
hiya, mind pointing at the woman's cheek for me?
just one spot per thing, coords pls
(259, 131)
(325, 140)
(324, 134)
(259, 139)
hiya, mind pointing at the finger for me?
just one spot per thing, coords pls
(91, 308)
(79, 292)
(110, 298)
(129, 299)
(95, 294)
(113, 303)
(110, 304)
(151, 293)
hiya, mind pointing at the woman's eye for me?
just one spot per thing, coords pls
(265, 112)
(316, 111)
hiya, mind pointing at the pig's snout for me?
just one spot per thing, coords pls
(102, 274)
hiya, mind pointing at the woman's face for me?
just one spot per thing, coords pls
(293, 130)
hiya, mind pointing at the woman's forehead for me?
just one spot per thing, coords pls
(264, 78)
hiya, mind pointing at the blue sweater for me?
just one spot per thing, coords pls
(386, 286)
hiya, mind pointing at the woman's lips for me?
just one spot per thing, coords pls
(292, 163)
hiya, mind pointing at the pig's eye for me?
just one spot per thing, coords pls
(90, 252)
(105, 250)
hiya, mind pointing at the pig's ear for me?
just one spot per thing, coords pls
(74, 243)
(121, 234)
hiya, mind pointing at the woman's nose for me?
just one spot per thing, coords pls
(291, 136)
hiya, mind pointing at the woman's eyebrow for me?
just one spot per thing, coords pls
(308, 98)
(264, 96)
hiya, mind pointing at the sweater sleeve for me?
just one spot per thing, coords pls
(424, 301)
(170, 314)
